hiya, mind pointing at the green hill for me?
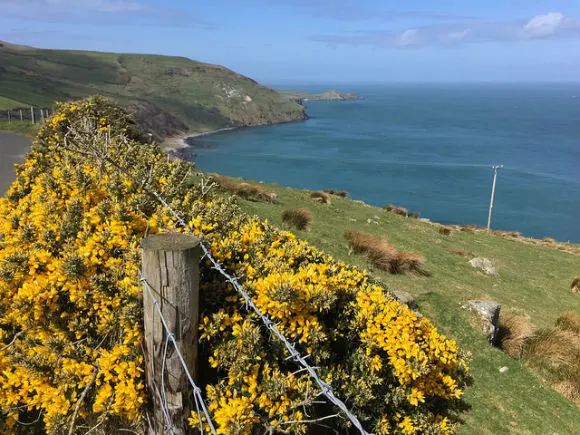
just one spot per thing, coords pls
(534, 278)
(168, 95)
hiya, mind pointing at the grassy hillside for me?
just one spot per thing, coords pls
(168, 94)
(534, 279)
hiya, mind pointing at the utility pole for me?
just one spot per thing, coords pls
(495, 168)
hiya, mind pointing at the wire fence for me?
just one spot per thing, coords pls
(25, 114)
(325, 389)
(200, 406)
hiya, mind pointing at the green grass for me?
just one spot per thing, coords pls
(535, 279)
(25, 128)
(169, 95)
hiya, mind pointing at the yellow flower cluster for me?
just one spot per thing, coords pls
(70, 314)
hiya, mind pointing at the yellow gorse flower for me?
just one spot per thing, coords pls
(69, 257)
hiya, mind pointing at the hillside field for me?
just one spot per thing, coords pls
(532, 279)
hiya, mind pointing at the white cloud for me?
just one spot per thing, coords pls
(543, 25)
(551, 25)
(457, 36)
(407, 38)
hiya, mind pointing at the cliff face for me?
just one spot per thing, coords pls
(169, 95)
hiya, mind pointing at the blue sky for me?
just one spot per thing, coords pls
(321, 41)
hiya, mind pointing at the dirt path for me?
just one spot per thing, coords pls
(13, 147)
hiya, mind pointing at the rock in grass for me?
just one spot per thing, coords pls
(489, 312)
(484, 264)
(404, 298)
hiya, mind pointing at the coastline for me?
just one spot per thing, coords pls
(174, 144)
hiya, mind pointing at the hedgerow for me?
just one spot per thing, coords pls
(71, 316)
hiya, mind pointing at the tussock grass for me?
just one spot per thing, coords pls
(384, 255)
(575, 286)
(515, 329)
(401, 211)
(446, 231)
(321, 197)
(340, 193)
(569, 321)
(462, 253)
(244, 190)
(555, 353)
(554, 349)
(299, 218)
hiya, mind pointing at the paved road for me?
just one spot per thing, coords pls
(13, 147)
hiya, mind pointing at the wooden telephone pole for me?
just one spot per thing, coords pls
(495, 169)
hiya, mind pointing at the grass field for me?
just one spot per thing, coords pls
(535, 279)
(169, 95)
(25, 128)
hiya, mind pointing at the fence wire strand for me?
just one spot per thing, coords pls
(325, 389)
(200, 406)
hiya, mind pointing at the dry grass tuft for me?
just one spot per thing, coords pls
(384, 255)
(322, 197)
(515, 329)
(570, 389)
(507, 234)
(463, 253)
(446, 231)
(548, 240)
(244, 190)
(341, 193)
(576, 285)
(569, 321)
(402, 211)
(555, 351)
(298, 218)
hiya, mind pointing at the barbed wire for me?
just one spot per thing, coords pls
(325, 389)
(200, 406)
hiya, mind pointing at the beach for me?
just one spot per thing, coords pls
(13, 147)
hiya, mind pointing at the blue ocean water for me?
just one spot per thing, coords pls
(429, 148)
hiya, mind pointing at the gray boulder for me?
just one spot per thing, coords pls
(484, 264)
(404, 298)
(489, 312)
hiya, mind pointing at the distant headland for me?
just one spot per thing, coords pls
(332, 95)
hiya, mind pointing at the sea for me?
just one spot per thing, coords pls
(429, 148)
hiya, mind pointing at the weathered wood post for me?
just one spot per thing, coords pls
(9, 118)
(21, 118)
(32, 114)
(171, 268)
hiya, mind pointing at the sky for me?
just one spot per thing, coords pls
(321, 41)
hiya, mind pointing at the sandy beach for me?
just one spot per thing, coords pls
(13, 147)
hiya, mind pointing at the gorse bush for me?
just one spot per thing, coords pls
(70, 310)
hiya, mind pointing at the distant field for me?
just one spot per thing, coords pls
(533, 279)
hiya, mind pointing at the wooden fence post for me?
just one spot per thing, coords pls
(21, 118)
(32, 114)
(171, 268)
